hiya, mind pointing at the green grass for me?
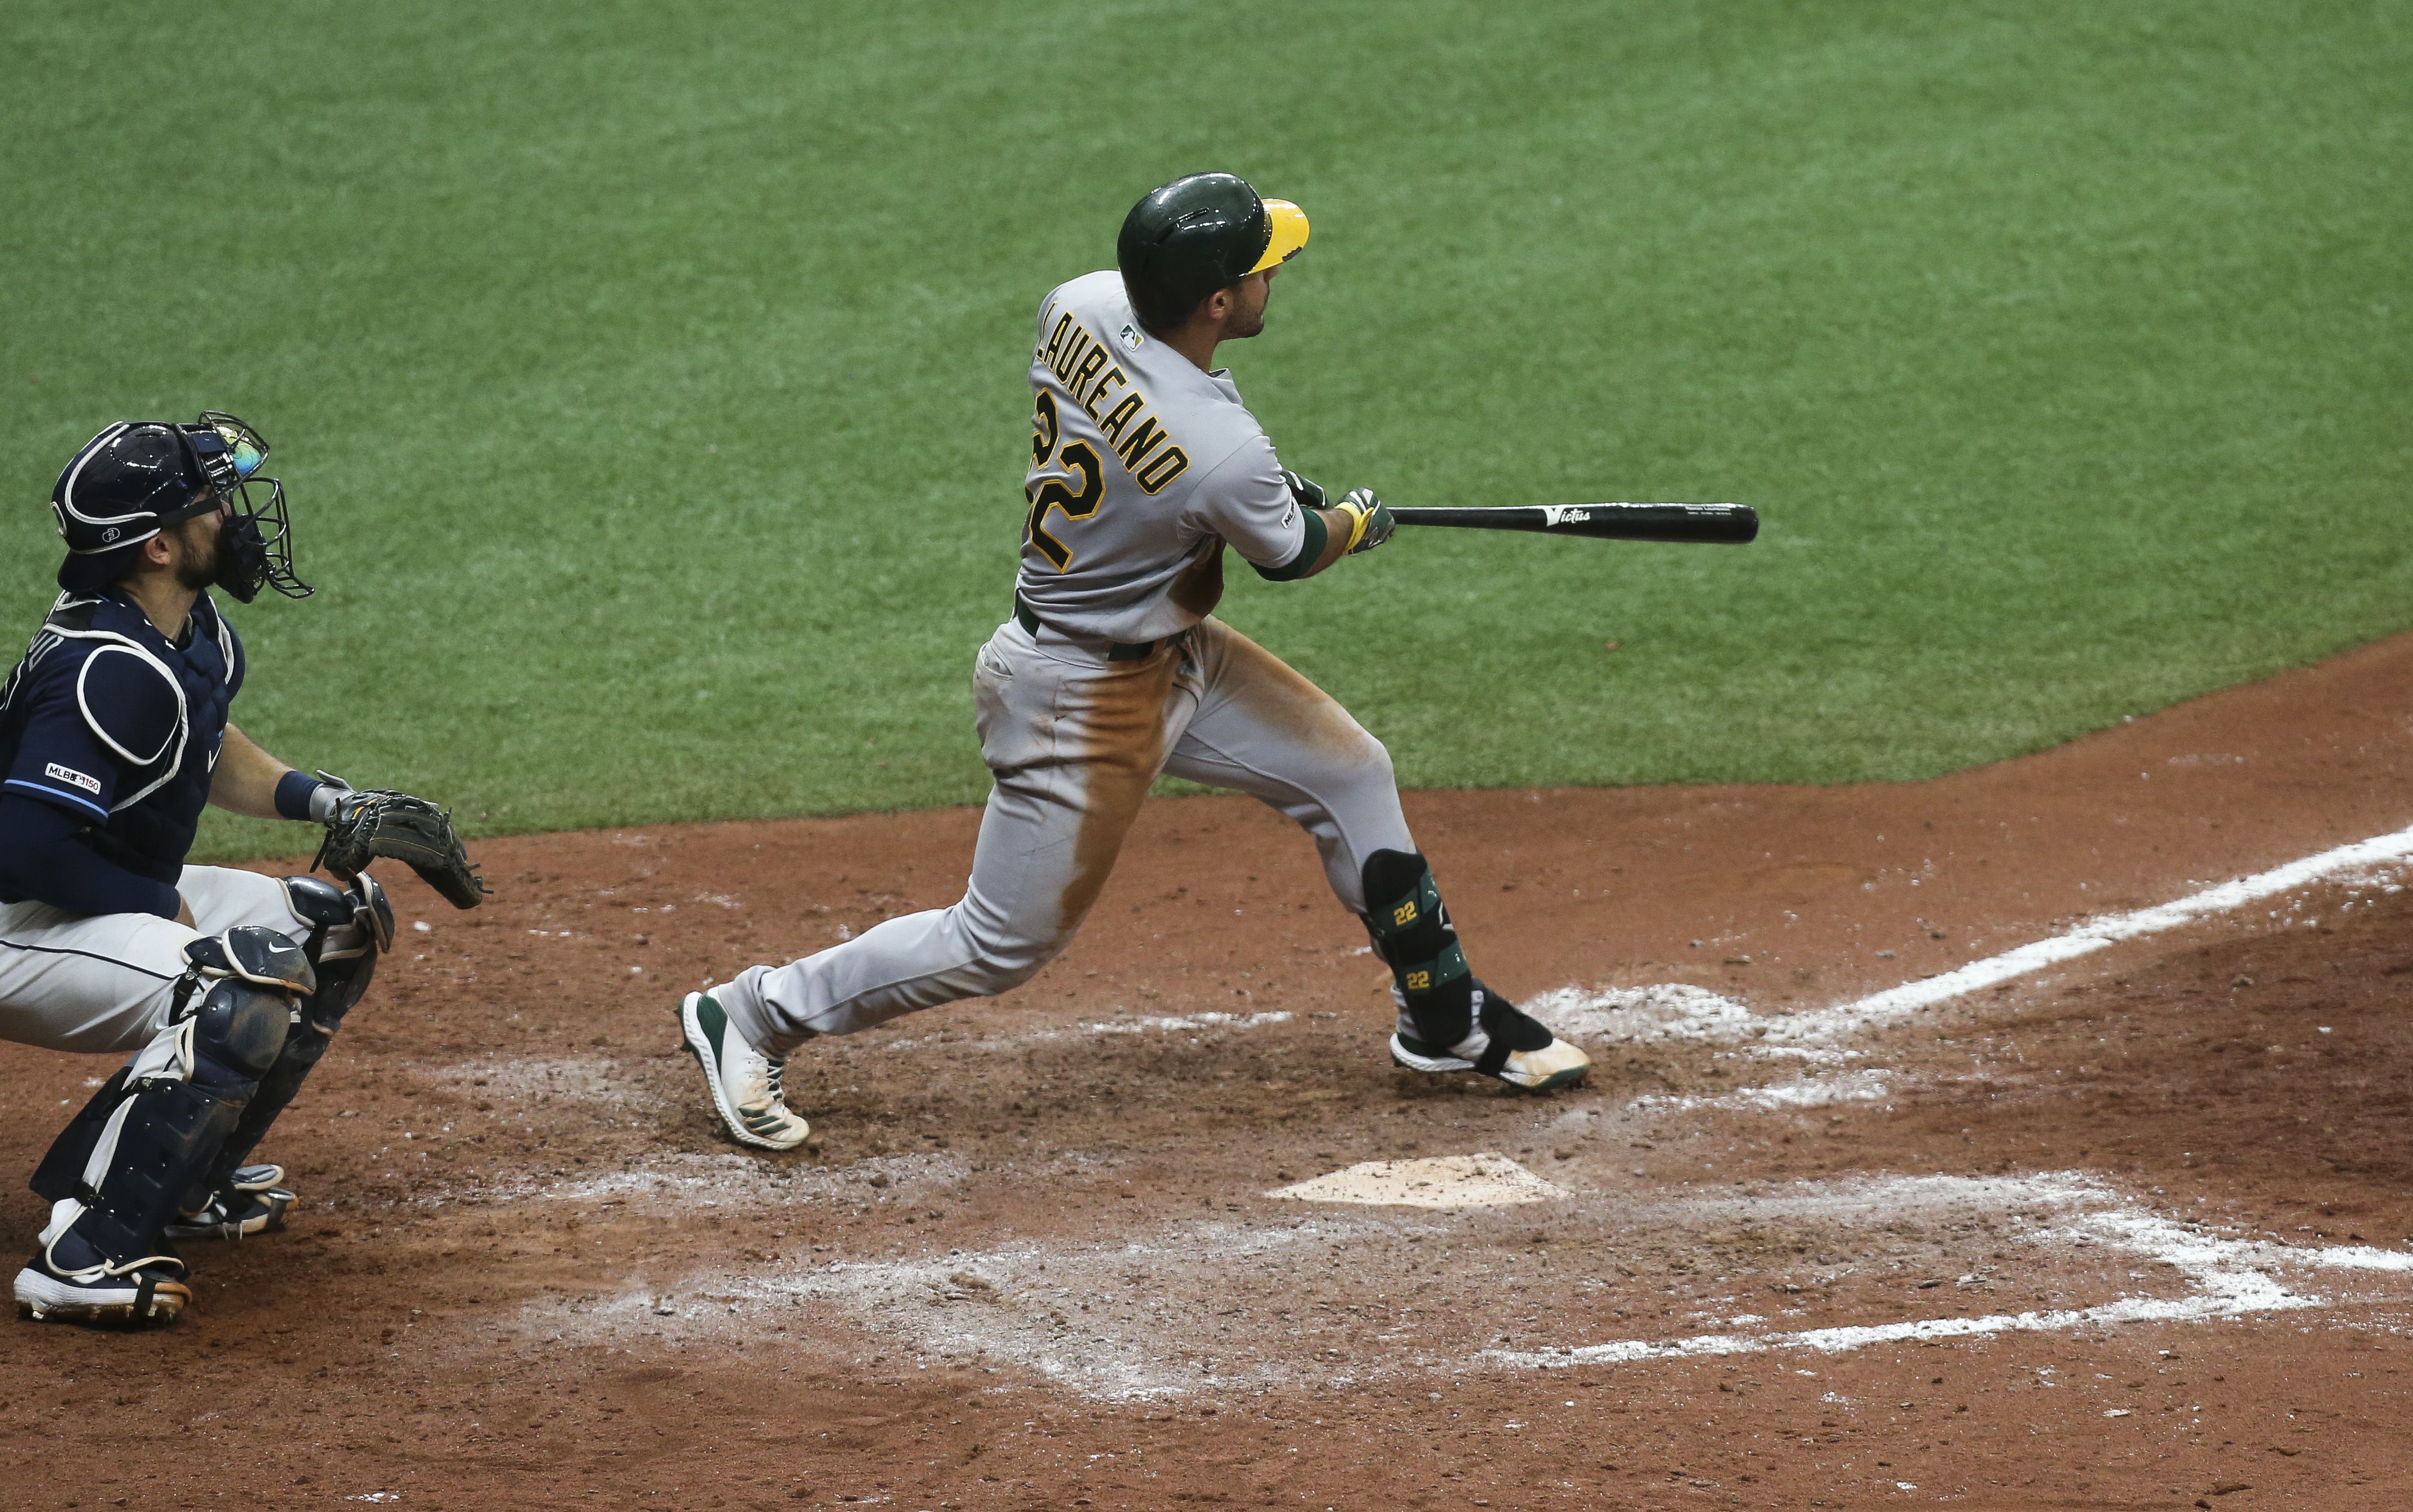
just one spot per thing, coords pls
(648, 379)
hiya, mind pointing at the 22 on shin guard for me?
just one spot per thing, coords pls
(1412, 932)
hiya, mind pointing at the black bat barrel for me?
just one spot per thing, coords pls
(1727, 523)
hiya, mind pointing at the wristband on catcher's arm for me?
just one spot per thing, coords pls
(301, 795)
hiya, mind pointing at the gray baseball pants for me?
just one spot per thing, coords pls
(107, 984)
(1074, 741)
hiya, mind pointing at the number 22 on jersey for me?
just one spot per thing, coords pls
(1079, 460)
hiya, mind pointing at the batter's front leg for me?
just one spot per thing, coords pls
(1261, 728)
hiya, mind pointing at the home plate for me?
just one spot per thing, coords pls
(1477, 1181)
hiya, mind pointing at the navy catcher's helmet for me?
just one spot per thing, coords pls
(138, 477)
(1201, 232)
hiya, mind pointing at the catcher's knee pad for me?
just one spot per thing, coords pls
(122, 1174)
(349, 928)
(1411, 931)
(235, 1036)
(250, 954)
(319, 904)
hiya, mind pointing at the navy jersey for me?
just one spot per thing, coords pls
(109, 720)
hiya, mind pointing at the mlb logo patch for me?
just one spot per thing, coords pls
(1132, 338)
(71, 777)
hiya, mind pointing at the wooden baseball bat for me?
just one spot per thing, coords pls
(1732, 524)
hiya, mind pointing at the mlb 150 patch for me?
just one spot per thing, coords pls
(72, 777)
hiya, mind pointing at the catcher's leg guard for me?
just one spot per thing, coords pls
(55, 1178)
(350, 927)
(102, 1255)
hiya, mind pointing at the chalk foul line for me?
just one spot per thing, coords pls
(1880, 1009)
(2226, 1277)
(1677, 1011)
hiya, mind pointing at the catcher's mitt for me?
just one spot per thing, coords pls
(376, 822)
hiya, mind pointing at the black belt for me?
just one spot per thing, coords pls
(1116, 650)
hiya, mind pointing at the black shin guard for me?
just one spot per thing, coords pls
(1412, 932)
(343, 948)
(170, 1133)
(305, 1044)
(161, 1135)
(62, 1170)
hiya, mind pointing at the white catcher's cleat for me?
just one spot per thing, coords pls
(1507, 1043)
(746, 1083)
(69, 1281)
(150, 1294)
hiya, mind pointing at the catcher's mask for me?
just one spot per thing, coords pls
(139, 477)
(256, 549)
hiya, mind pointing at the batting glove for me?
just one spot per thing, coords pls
(1306, 490)
(1370, 520)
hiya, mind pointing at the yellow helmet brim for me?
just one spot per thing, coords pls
(1290, 234)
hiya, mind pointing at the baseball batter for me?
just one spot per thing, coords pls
(223, 987)
(1145, 469)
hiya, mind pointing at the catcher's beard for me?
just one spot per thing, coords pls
(197, 555)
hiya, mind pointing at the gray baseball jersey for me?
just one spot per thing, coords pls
(1143, 468)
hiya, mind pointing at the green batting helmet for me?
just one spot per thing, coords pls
(1201, 232)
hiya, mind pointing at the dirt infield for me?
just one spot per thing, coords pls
(2135, 1229)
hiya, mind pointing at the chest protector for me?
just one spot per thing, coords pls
(157, 707)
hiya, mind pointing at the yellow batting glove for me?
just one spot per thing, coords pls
(1370, 520)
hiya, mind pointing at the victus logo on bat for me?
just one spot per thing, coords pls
(1565, 514)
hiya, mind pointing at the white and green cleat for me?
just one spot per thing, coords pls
(1505, 1043)
(746, 1083)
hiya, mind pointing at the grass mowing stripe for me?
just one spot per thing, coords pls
(648, 383)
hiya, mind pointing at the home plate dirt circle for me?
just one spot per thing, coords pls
(2039, 1135)
(1254, 1298)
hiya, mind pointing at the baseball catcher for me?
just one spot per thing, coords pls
(1145, 468)
(225, 986)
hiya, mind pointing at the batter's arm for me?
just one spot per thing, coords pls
(1326, 542)
(1359, 523)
